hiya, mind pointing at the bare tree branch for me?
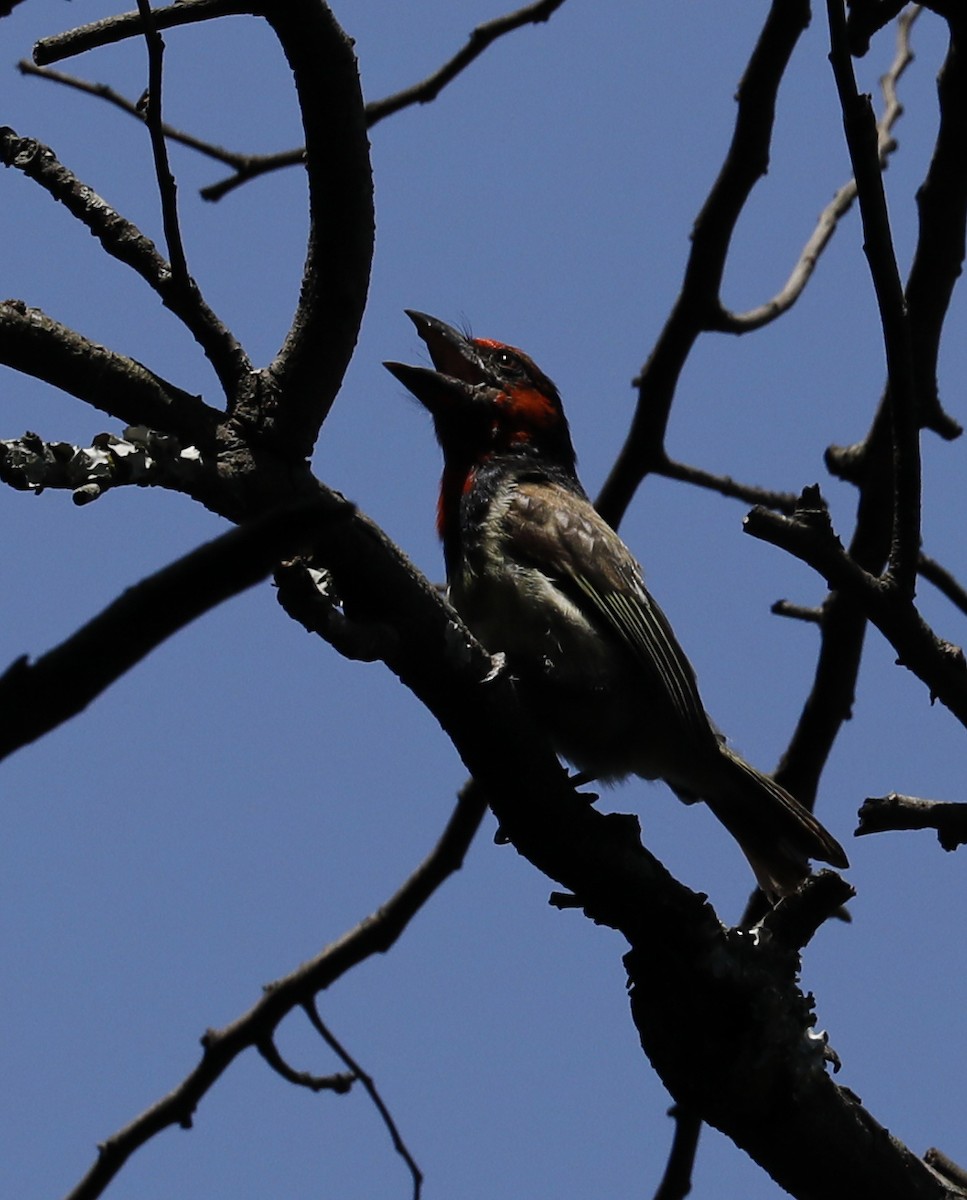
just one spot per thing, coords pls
(312, 1011)
(879, 814)
(311, 363)
(808, 535)
(478, 41)
(104, 92)
(247, 167)
(167, 188)
(942, 207)
(698, 307)
(944, 582)
(726, 486)
(125, 242)
(676, 1183)
(39, 346)
(309, 368)
(947, 1168)
(861, 137)
(798, 612)
(866, 17)
(841, 202)
(111, 30)
(142, 457)
(868, 464)
(374, 935)
(339, 1083)
(40, 695)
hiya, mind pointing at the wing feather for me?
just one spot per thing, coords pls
(560, 533)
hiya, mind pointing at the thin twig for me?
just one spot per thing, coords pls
(477, 42)
(373, 935)
(943, 581)
(861, 138)
(167, 187)
(312, 1012)
(698, 306)
(104, 92)
(812, 615)
(340, 1083)
(841, 202)
(250, 166)
(808, 535)
(725, 485)
(122, 239)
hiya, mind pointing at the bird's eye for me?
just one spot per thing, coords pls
(510, 362)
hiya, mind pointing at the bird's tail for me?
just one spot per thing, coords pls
(775, 832)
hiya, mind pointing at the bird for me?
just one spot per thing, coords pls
(541, 579)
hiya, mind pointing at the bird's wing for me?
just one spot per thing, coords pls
(549, 526)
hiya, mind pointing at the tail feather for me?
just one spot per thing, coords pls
(775, 832)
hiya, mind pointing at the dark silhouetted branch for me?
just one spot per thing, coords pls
(698, 307)
(291, 398)
(124, 241)
(340, 1083)
(676, 1183)
(478, 41)
(374, 935)
(726, 486)
(104, 92)
(39, 346)
(40, 695)
(859, 125)
(312, 361)
(943, 581)
(167, 187)
(879, 814)
(841, 202)
(808, 536)
(312, 1012)
(247, 167)
(942, 209)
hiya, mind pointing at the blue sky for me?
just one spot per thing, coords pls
(245, 795)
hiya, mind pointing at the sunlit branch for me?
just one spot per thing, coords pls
(143, 458)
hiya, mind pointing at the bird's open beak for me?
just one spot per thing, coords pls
(459, 373)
